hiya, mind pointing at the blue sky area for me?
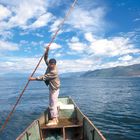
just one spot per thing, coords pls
(98, 34)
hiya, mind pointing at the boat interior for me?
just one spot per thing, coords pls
(69, 126)
(73, 125)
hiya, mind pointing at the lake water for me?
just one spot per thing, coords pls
(112, 104)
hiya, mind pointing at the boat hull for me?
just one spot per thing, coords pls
(73, 125)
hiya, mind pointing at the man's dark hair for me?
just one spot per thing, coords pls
(52, 61)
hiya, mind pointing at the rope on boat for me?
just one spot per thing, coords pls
(26, 85)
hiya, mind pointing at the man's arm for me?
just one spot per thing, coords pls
(46, 55)
(45, 77)
(32, 78)
(36, 78)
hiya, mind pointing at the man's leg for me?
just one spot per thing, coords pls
(53, 99)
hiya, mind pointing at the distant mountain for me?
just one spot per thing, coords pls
(14, 75)
(26, 75)
(119, 71)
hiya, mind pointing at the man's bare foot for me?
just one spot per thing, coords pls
(54, 121)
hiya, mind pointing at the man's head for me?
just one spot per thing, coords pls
(52, 63)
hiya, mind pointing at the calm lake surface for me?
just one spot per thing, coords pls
(112, 104)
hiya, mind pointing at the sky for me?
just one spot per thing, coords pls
(98, 34)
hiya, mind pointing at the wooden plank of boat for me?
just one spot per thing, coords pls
(73, 125)
(67, 123)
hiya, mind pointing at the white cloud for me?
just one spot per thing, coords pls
(76, 45)
(20, 64)
(23, 65)
(4, 12)
(126, 58)
(115, 46)
(6, 34)
(39, 35)
(42, 21)
(25, 14)
(88, 20)
(120, 63)
(58, 54)
(54, 46)
(55, 25)
(5, 45)
(89, 37)
(85, 64)
(75, 39)
(75, 65)
(119, 47)
(136, 19)
(26, 10)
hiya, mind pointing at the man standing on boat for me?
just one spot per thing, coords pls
(51, 78)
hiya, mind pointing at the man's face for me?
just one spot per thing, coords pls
(51, 65)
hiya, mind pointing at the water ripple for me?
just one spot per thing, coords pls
(112, 104)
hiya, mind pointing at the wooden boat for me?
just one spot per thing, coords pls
(73, 125)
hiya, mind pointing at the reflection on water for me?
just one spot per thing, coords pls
(112, 104)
